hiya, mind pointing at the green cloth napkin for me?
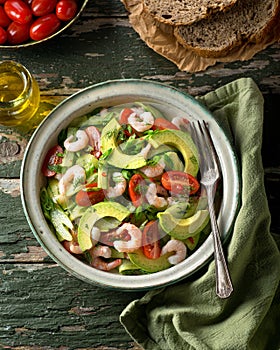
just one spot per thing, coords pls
(189, 315)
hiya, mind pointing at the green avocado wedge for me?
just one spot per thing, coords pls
(121, 160)
(183, 228)
(183, 142)
(95, 213)
(149, 265)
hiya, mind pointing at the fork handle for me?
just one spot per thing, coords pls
(223, 281)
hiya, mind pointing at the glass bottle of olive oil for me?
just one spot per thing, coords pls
(19, 94)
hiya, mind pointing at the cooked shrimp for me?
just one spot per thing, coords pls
(135, 241)
(80, 143)
(103, 265)
(72, 247)
(100, 252)
(181, 122)
(73, 177)
(119, 188)
(176, 246)
(141, 120)
(94, 140)
(153, 198)
(153, 170)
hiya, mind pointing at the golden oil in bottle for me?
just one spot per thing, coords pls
(19, 94)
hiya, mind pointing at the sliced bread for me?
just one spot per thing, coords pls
(181, 12)
(247, 20)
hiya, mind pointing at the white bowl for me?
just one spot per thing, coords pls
(108, 94)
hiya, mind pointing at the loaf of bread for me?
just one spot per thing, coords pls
(181, 12)
(217, 36)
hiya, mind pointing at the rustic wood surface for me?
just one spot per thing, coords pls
(41, 305)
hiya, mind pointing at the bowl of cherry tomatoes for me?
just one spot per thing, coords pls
(29, 22)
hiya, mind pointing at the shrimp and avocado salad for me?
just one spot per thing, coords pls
(122, 192)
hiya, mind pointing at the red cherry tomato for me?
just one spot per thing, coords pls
(3, 36)
(18, 33)
(66, 9)
(151, 245)
(179, 182)
(90, 195)
(44, 26)
(161, 124)
(136, 189)
(18, 11)
(42, 7)
(125, 113)
(4, 19)
(52, 158)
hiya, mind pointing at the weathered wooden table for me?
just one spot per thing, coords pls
(41, 305)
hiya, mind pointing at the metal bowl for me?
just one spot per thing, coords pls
(172, 101)
(81, 6)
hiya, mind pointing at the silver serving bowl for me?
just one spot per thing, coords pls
(111, 93)
(64, 26)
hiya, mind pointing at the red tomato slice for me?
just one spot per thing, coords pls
(88, 197)
(179, 182)
(135, 189)
(151, 246)
(52, 158)
(161, 124)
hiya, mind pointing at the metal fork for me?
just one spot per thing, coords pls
(210, 175)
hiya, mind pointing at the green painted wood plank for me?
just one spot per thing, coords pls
(58, 309)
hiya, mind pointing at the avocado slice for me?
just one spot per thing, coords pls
(182, 141)
(116, 157)
(183, 228)
(173, 162)
(149, 265)
(121, 160)
(109, 134)
(95, 213)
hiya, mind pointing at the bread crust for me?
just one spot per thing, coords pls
(177, 12)
(238, 41)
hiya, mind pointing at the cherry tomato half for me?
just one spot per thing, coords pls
(179, 182)
(52, 158)
(44, 26)
(18, 33)
(18, 11)
(161, 124)
(4, 19)
(66, 9)
(3, 36)
(136, 190)
(42, 7)
(150, 240)
(90, 195)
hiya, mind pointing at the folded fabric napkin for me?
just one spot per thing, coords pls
(189, 315)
